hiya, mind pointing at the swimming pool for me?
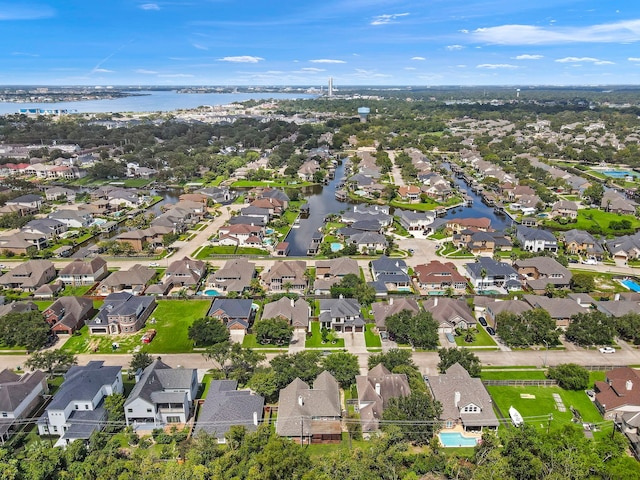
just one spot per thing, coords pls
(631, 285)
(455, 439)
(617, 173)
(268, 231)
(336, 247)
(211, 293)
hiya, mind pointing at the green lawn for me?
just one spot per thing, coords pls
(42, 304)
(371, 339)
(536, 410)
(315, 341)
(482, 339)
(137, 182)
(595, 221)
(421, 207)
(250, 341)
(78, 291)
(513, 375)
(173, 317)
(209, 251)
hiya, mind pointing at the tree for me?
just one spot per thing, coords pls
(420, 330)
(140, 360)
(114, 405)
(243, 362)
(208, 331)
(51, 360)
(352, 286)
(533, 327)
(391, 359)
(219, 353)
(27, 329)
(263, 382)
(304, 365)
(582, 283)
(416, 414)
(570, 376)
(343, 366)
(273, 330)
(463, 356)
(594, 328)
(593, 194)
(628, 327)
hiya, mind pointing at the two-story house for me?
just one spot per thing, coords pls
(122, 312)
(80, 272)
(341, 315)
(286, 276)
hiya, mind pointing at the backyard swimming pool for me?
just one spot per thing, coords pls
(631, 285)
(336, 247)
(455, 439)
(211, 293)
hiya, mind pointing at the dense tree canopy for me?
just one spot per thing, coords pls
(593, 328)
(533, 327)
(465, 357)
(208, 331)
(419, 330)
(28, 329)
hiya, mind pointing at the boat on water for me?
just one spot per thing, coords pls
(516, 418)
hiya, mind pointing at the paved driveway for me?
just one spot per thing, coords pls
(297, 341)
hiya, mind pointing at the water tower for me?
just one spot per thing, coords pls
(363, 112)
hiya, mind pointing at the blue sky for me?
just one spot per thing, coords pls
(301, 42)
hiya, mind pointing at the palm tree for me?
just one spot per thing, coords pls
(483, 275)
(287, 286)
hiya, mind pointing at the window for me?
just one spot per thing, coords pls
(449, 424)
(173, 419)
(77, 407)
(4, 414)
(130, 410)
(149, 410)
(86, 407)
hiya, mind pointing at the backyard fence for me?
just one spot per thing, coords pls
(520, 383)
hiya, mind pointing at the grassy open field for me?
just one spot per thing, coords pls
(595, 221)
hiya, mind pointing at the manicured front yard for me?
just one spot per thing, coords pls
(172, 319)
(250, 341)
(315, 341)
(371, 339)
(208, 251)
(482, 339)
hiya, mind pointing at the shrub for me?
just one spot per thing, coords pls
(570, 376)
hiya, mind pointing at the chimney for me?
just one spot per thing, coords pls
(292, 302)
(138, 374)
(629, 385)
(616, 297)
(378, 389)
(391, 301)
(435, 302)
(456, 399)
(300, 400)
(579, 300)
(255, 418)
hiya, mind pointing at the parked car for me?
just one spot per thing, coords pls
(384, 335)
(590, 261)
(591, 394)
(607, 350)
(450, 337)
(483, 321)
(148, 336)
(491, 331)
(154, 264)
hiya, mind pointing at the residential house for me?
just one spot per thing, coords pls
(625, 247)
(22, 243)
(20, 395)
(559, 309)
(310, 415)
(72, 218)
(368, 242)
(437, 278)
(379, 213)
(122, 313)
(330, 272)
(308, 169)
(133, 281)
(281, 249)
(162, 395)
(67, 314)
(383, 310)
(124, 199)
(375, 390)
(491, 308)
(341, 315)
(77, 408)
(580, 242)
(415, 221)
(409, 193)
(538, 272)
(235, 313)
(185, 272)
(482, 243)
(56, 193)
(143, 239)
(621, 305)
(217, 194)
(565, 208)
(80, 272)
(450, 313)
(536, 240)
(296, 312)
(47, 227)
(225, 407)
(391, 272)
(286, 276)
(32, 203)
(29, 276)
(464, 399)
(619, 393)
(48, 290)
(615, 202)
(17, 307)
(235, 276)
(457, 225)
(241, 235)
(487, 272)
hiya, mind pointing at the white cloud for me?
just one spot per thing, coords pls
(145, 72)
(410, 68)
(241, 59)
(451, 48)
(529, 57)
(312, 70)
(418, 58)
(625, 31)
(361, 72)
(101, 70)
(24, 54)
(176, 75)
(634, 59)
(387, 18)
(326, 60)
(595, 61)
(200, 47)
(495, 66)
(150, 6)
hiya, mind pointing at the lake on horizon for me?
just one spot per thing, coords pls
(151, 101)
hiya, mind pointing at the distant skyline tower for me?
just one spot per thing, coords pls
(331, 86)
(364, 113)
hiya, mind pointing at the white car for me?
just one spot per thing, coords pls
(590, 261)
(154, 264)
(607, 350)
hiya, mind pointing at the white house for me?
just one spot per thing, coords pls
(19, 395)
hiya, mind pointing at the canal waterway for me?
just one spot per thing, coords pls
(322, 202)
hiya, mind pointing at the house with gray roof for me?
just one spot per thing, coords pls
(17, 307)
(225, 407)
(367, 242)
(162, 395)
(465, 401)
(621, 305)
(615, 202)
(47, 227)
(581, 242)
(414, 221)
(560, 309)
(235, 313)
(29, 276)
(450, 313)
(535, 239)
(375, 389)
(72, 218)
(19, 396)
(235, 276)
(330, 272)
(485, 273)
(538, 272)
(56, 193)
(296, 312)
(133, 281)
(491, 308)
(30, 201)
(185, 272)
(310, 415)
(217, 194)
(122, 312)
(284, 276)
(341, 315)
(77, 408)
(625, 247)
(80, 272)
(383, 310)
(391, 272)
